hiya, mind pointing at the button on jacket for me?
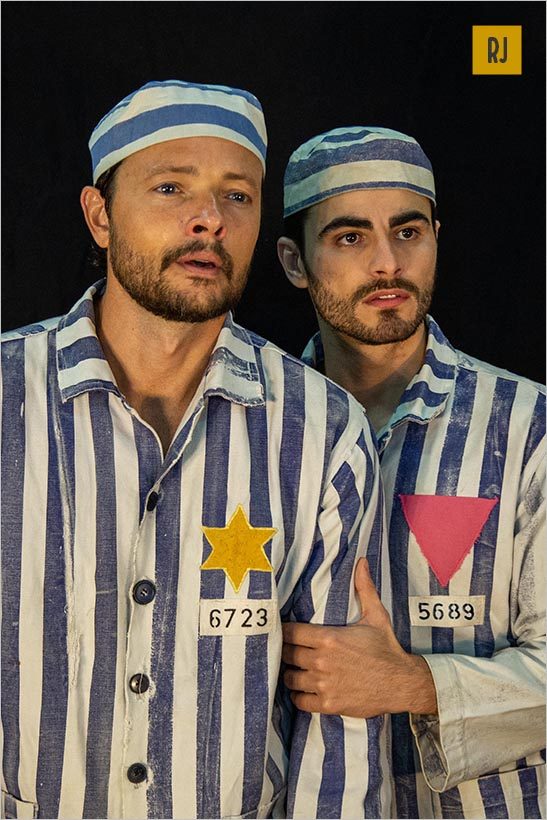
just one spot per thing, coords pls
(463, 465)
(143, 595)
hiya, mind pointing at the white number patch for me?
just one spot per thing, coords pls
(445, 610)
(237, 617)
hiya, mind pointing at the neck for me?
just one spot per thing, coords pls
(158, 364)
(376, 375)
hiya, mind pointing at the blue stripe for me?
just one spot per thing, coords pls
(373, 806)
(421, 390)
(87, 386)
(340, 189)
(372, 151)
(215, 484)
(491, 482)
(337, 419)
(442, 370)
(260, 586)
(537, 428)
(55, 660)
(374, 547)
(82, 310)
(276, 778)
(127, 132)
(493, 797)
(303, 607)
(336, 609)
(87, 347)
(301, 725)
(451, 804)
(290, 460)
(442, 638)
(162, 665)
(150, 458)
(529, 784)
(405, 483)
(101, 704)
(333, 777)
(13, 473)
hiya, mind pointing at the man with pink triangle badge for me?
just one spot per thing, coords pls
(459, 662)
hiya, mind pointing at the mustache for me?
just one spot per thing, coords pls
(195, 246)
(384, 284)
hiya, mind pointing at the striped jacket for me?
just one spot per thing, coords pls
(463, 464)
(142, 596)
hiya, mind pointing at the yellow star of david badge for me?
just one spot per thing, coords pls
(238, 548)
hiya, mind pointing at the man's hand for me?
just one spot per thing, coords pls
(359, 670)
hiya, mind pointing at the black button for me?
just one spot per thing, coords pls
(152, 501)
(139, 683)
(137, 773)
(144, 592)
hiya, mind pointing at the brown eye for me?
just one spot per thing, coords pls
(167, 188)
(239, 196)
(350, 238)
(408, 233)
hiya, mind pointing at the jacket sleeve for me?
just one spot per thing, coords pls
(338, 765)
(491, 711)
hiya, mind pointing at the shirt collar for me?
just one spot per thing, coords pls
(232, 371)
(427, 393)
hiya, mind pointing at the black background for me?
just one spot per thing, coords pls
(314, 66)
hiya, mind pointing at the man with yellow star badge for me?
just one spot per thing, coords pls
(187, 487)
(238, 548)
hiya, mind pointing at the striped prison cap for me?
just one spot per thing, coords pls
(357, 157)
(167, 110)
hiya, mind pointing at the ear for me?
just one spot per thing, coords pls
(437, 228)
(291, 259)
(95, 215)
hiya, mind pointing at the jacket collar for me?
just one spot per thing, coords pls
(427, 393)
(232, 371)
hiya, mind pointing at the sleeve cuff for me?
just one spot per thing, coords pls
(440, 737)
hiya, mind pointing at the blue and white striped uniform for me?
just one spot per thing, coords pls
(466, 429)
(103, 586)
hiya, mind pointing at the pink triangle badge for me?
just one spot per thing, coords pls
(446, 527)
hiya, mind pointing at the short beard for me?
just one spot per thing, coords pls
(340, 315)
(142, 279)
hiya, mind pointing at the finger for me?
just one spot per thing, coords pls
(298, 681)
(302, 634)
(373, 611)
(307, 702)
(300, 656)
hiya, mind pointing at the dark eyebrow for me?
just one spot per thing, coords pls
(345, 222)
(408, 216)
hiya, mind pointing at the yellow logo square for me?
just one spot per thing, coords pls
(497, 49)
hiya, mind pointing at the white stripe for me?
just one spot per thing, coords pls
(85, 370)
(232, 728)
(78, 330)
(82, 632)
(127, 486)
(185, 679)
(32, 567)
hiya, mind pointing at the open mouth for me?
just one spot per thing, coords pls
(202, 264)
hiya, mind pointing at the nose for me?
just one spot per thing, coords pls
(384, 260)
(207, 219)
